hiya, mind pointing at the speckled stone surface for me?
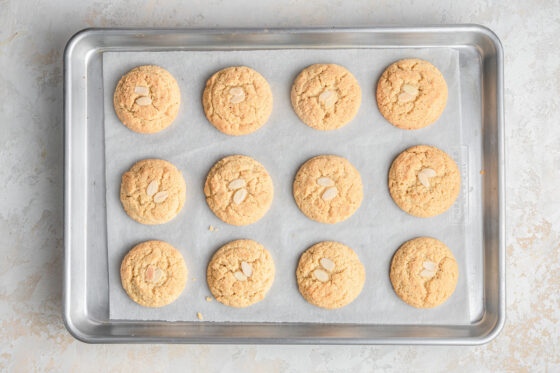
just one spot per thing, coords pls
(32, 39)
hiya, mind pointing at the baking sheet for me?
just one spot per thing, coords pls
(375, 231)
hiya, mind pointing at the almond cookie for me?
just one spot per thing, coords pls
(147, 99)
(153, 273)
(240, 273)
(328, 189)
(330, 275)
(411, 94)
(237, 100)
(153, 191)
(424, 181)
(326, 96)
(424, 272)
(238, 190)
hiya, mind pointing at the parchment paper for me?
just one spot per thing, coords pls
(369, 142)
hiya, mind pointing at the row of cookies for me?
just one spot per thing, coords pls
(423, 181)
(411, 94)
(329, 274)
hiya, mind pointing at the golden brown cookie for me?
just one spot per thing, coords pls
(424, 272)
(240, 273)
(328, 189)
(237, 100)
(147, 99)
(153, 191)
(411, 94)
(424, 181)
(238, 190)
(153, 273)
(326, 96)
(330, 275)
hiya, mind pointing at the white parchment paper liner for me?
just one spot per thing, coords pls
(369, 142)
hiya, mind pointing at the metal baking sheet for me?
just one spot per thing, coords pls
(481, 148)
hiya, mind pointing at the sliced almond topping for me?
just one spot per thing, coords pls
(405, 97)
(247, 269)
(152, 188)
(430, 266)
(240, 276)
(142, 91)
(144, 101)
(327, 264)
(329, 194)
(237, 95)
(427, 273)
(158, 274)
(328, 98)
(161, 196)
(325, 181)
(321, 275)
(424, 176)
(149, 274)
(239, 196)
(153, 274)
(236, 184)
(410, 89)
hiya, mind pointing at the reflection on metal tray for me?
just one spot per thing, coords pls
(86, 308)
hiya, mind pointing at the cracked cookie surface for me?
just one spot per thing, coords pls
(147, 99)
(326, 96)
(411, 94)
(424, 272)
(328, 189)
(424, 181)
(240, 273)
(237, 100)
(238, 190)
(153, 191)
(153, 273)
(330, 275)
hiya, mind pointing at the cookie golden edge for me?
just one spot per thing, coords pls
(411, 124)
(392, 181)
(408, 292)
(131, 212)
(140, 125)
(299, 201)
(309, 293)
(217, 284)
(212, 205)
(294, 97)
(145, 300)
(222, 124)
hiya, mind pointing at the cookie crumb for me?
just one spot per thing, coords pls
(211, 228)
(209, 299)
(482, 172)
(199, 315)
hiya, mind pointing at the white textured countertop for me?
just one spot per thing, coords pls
(32, 38)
